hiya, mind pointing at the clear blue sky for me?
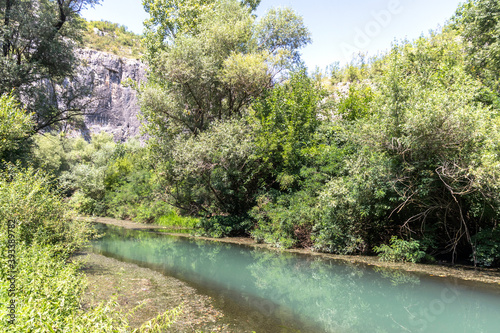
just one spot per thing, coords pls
(340, 28)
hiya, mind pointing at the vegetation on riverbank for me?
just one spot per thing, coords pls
(405, 146)
(40, 290)
(46, 289)
(396, 155)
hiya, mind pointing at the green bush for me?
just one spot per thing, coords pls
(48, 297)
(214, 172)
(172, 219)
(49, 289)
(356, 103)
(16, 126)
(401, 250)
(285, 220)
(355, 208)
(285, 121)
(29, 198)
(86, 177)
(487, 247)
(147, 212)
(15, 123)
(225, 226)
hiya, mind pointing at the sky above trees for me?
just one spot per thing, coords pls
(339, 28)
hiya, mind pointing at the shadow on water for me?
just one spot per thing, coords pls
(285, 292)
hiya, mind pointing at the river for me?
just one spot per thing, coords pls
(288, 292)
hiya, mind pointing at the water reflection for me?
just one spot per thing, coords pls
(286, 292)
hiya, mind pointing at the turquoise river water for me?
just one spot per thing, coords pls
(275, 291)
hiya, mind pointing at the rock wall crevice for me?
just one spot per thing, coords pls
(116, 109)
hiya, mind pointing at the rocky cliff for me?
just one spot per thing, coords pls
(115, 107)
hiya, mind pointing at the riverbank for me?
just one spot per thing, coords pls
(467, 273)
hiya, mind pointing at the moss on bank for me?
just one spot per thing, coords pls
(147, 294)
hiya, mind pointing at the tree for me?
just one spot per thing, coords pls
(479, 23)
(285, 121)
(425, 168)
(204, 73)
(15, 125)
(37, 39)
(170, 18)
(215, 73)
(216, 172)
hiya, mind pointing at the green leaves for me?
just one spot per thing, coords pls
(111, 37)
(478, 23)
(209, 62)
(15, 123)
(215, 66)
(37, 40)
(282, 29)
(286, 120)
(28, 197)
(400, 250)
(215, 172)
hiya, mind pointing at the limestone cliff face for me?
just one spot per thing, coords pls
(115, 107)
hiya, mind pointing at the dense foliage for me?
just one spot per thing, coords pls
(203, 76)
(401, 145)
(38, 232)
(36, 220)
(15, 127)
(37, 42)
(396, 155)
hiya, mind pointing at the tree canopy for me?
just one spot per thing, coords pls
(37, 40)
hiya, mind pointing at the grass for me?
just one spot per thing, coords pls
(174, 220)
(112, 38)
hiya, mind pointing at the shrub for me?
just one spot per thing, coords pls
(355, 208)
(225, 226)
(286, 220)
(49, 292)
(114, 38)
(48, 295)
(29, 198)
(215, 172)
(285, 120)
(15, 123)
(147, 212)
(487, 247)
(400, 250)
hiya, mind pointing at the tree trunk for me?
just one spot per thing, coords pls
(6, 45)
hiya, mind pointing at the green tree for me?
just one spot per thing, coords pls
(478, 21)
(204, 74)
(37, 39)
(170, 18)
(286, 120)
(86, 177)
(425, 168)
(216, 73)
(216, 172)
(15, 125)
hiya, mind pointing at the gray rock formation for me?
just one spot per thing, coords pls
(115, 107)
